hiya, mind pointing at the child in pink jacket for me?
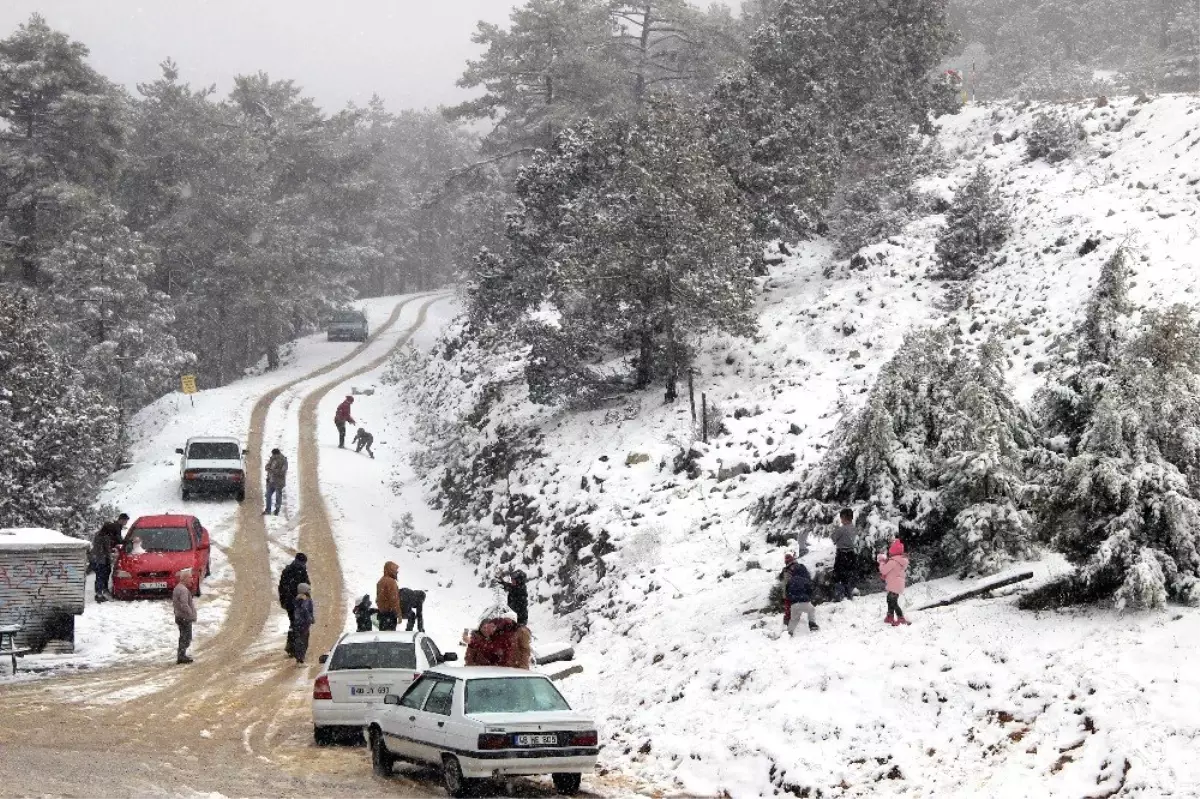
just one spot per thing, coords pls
(893, 567)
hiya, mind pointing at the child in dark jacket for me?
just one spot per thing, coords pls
(799, 598)
(363, 613)
(304, 616)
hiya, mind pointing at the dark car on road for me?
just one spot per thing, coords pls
(349, 325)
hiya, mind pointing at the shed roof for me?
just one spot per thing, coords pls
(24, 538)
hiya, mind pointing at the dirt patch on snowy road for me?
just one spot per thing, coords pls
(235, 722)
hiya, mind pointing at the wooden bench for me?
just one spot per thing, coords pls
(8, 644)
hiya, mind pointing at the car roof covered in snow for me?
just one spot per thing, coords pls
(37, 538)
(163, 520)
(214, 439)
(379, 635)
(482, 672)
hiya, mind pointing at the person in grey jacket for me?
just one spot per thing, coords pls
(845, 539)
(184, 605)
(277, 467)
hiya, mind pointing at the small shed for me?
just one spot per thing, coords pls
(42, 575)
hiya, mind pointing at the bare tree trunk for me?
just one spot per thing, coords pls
(645, 355)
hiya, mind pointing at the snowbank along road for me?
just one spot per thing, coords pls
(236, 721)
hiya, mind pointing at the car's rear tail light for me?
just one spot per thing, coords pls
(588, 738)
(321, 688)
(417, 675)
(191, 475)
(492, 741)
(237, 477)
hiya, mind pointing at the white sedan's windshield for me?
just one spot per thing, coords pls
(513, 695)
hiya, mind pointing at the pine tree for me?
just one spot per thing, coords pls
(58, 437)
(626, 238)
(976, 225)
(116, 330)
(63, 128)
(1124, 506)
(549, 69)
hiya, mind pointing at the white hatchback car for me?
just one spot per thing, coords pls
(363, 668)
(478, 722)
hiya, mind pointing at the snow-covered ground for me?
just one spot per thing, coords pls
(698, 690)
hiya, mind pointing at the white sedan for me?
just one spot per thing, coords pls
(363, 668)
(478, 722)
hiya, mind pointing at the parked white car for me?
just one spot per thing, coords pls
(363, 668)
(212, 465)
(478, 722)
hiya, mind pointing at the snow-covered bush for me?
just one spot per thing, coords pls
(976, 225)
(937, 457)
(1052, 137)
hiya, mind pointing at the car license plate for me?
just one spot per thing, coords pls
(370, 690)
(212, 477)
(537, 740)
(152, 586)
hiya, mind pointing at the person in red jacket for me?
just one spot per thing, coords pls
(341, 417)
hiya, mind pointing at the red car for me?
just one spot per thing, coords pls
(156, 548)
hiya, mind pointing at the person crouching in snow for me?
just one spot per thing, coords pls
(893, 567)
(799, 598)
(303, 618)
(364, 439)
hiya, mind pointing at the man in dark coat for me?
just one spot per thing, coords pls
(341, 417)
(109, 537)
(799, 598)
(412, 607)
(293, 575)
(518, 594)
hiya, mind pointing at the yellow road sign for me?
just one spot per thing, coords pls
(188, 384)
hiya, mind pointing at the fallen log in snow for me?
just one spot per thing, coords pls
(1007, 581)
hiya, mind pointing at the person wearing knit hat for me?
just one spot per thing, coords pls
(893, 567)
(304, 616)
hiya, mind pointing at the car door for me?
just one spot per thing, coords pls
(400, 727)
(431, 721)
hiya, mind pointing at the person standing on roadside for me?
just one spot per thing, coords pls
(387, 596)
(845, 538)
(277, 466)
(293, 575)
(304, 616)
(184, 605)
(341, 417)
(109, 537)
(517, 594)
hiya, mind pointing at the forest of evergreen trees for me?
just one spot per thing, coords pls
(640, 163)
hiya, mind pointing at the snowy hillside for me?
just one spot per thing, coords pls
(699, 691)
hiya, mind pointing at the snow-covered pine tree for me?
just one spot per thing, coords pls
(64, 128)
(985, 475)
(116, 329)
(58, 437)
(1124, 508)
(1065, 404)
(936, 457)
(976, 225)
(1052, 137)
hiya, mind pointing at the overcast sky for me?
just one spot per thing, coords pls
(410, 52)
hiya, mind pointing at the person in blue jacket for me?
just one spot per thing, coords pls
(799, 597)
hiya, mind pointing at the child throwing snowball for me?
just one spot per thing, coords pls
(892, 568)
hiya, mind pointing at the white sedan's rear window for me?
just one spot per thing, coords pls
(374, 655)
(513, 695)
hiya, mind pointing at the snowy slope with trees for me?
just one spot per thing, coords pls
(646, 539)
